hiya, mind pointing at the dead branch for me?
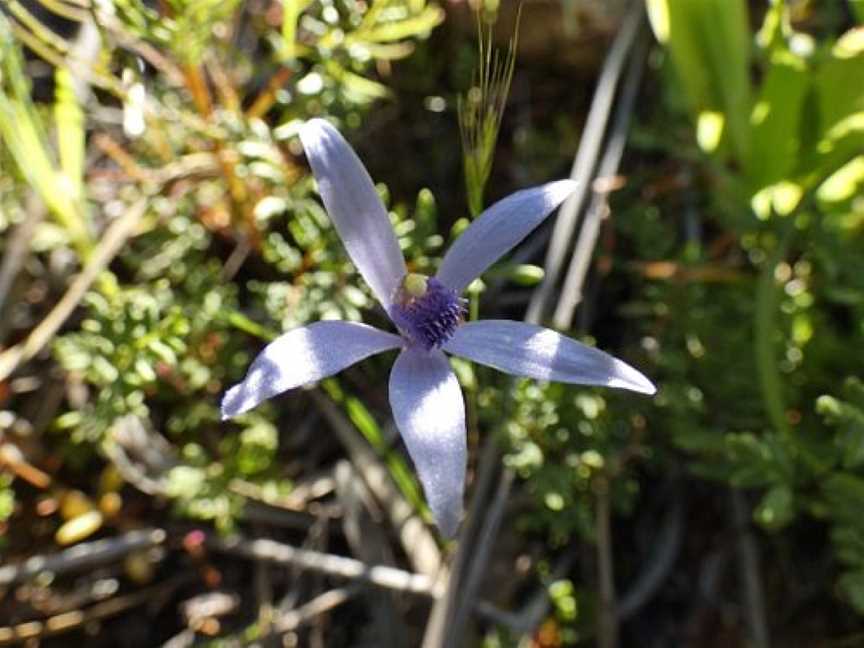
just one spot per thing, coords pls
(340, 566)
(82, 556)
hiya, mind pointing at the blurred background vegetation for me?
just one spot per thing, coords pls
(158, 225)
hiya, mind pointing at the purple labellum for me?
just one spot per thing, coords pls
(429, 319)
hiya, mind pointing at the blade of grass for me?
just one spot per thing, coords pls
(481, 109)
(291, 11)
(69, 120)
(709, 43)
(24, 134)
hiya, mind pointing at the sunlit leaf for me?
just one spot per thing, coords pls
(776, 120)
(709, 42)
(291, 10)
(69, 119)
(362, 90)
(385, 32)
(844, 183)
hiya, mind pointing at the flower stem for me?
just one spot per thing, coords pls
(765, 327)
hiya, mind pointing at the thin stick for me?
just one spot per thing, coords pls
(659, 565)
(82, 556)
(607, 622)
(586, 160)
(444, 610)
(16, 251)
(12, 458)
(31, 631)
(481, 555)
(314, 608)
(537, 607)
(571, 293)
(349, 568)
(750, 573)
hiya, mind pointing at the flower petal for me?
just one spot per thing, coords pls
(355, 208)
(536, 352)
(304, 355)
(497, 230)
(430, 413)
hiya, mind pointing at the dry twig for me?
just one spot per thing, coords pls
(15, 252)
(586, 160)
(349, 568)
(750, 573)
(441, 628)
(607, 612)
(33, 631)
(81, 556)
(317, 606)
(571, 292)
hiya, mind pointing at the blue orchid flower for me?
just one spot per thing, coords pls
(428, 314)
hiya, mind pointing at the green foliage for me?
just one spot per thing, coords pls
(560, 440)
(215, 490)
(843, 489)
(750, 321)
(347, 38)
(145, 339)
(709, 43)
(188, 27)
(800, 176)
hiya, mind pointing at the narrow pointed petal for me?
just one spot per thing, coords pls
(430, 413)
(536, 352)
(498, 229)
(304, 355)
(355, 208)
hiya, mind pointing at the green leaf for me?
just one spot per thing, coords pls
(838, 82)
(25, 136)
(709, 43)
(426, 214)
(387, 51)
(291, 10)
(424, 22)
(776, 120)
(363, 420)
(857, 7)
(844, 184)
(848, 418)
(777, 508)
(751, 461)
(526, 274)
(361, 89)
(69, 119)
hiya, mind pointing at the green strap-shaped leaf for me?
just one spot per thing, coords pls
(69, 119)
(858, 10)
(776, 121)
(709, 43)
(23, 133)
